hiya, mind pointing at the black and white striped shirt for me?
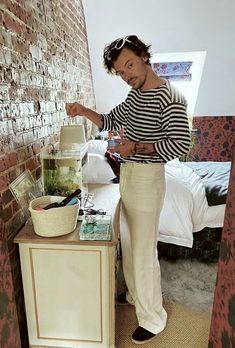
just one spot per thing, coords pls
(158, 116)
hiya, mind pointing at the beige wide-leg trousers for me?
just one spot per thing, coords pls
(142, 188)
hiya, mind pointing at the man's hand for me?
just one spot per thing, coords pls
(129, 148)
(75, 109)
(125, 148)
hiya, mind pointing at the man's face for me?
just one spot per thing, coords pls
(132, 68)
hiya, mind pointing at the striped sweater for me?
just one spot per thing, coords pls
(158, 116)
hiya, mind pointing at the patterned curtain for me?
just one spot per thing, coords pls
(222, 331)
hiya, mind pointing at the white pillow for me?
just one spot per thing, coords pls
(173, 162)
(97, 170)
(97, 146)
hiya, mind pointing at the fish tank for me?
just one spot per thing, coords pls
(62, 169)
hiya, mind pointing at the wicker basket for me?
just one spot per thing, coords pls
(56, 221)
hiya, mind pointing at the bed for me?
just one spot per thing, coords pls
(194, 205)
(199, 190)
(192, 201)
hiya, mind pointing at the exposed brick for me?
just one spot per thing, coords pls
(38, 173)
(33, 163)
(17, 9)
(29, 35)
(6, 197)
(7, 214)
(15, 172)
(7, 75)
(36, 148)
(3, 166)
(4, 92)
(31, 94)
(13, 91)
(12, 226)
(11, 24)
(1, 16)
(23, 154)
(20, 46)
(4, 182)
(15, 207)
(44, 62)
(11, 159)
(1, 148)
(1, 35)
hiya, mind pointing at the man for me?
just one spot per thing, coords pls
(154, 122)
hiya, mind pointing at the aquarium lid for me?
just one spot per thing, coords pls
(68, 150)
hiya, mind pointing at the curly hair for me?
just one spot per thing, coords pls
(113, 50)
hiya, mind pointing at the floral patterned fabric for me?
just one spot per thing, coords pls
(223, 315)
(213, 138)
(9, 329)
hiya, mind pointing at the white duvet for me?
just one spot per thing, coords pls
(185, 208)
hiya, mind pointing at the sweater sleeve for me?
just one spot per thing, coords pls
(113, 121)
(176, 141)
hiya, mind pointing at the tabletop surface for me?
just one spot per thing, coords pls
(106, 197)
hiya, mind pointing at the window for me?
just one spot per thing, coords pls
(174, 71)
(184, 70)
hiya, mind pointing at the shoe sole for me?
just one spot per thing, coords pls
(142, 342)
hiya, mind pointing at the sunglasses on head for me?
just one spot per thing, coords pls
(117, 46)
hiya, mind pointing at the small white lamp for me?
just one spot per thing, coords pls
(72, 135)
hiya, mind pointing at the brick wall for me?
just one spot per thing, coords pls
(44, 62)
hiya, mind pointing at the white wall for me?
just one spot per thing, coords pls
(169, 26)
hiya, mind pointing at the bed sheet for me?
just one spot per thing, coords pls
(185, 209)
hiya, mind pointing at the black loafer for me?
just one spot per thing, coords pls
(121, 299)
(142, 335)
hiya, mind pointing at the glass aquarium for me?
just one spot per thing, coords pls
(62, 169)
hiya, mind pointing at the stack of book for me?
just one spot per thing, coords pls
(96, 227)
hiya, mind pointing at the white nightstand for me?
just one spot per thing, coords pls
(69, 288)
